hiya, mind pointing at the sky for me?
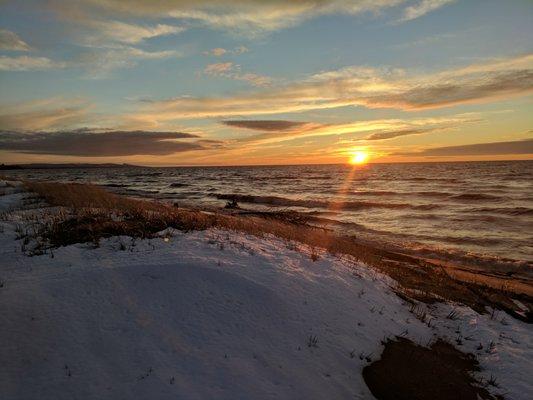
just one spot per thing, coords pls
(242, 82)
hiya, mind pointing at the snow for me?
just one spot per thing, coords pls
(216, 314)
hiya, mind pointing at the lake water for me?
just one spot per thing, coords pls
(474, 212)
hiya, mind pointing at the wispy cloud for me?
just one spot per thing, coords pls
(219, 51)
(51, 113)
(397, 133)
(355, 86)
(10, 41)
(479, 149)
(108, 44)
(233, 71)
(99, 63)
(240, 50)
(240, 16)
(89, 143)
(106, 32)
(28, 63)
(422, 8)
(218, 69)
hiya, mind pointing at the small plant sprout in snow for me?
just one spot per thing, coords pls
(492, 381)
(314, 254)
(452, 315)
(146, 375)
(312, 341)
(491, 347)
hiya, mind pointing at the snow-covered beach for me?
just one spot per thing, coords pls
(218, 314)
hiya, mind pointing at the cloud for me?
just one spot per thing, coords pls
(218, 68)
(422, 8)
(10, 41)
(524, 146)
(242, 16)
(121, 32)
(266, 125)
(26, 63)
(43, 114)
(356, 86)
(88, 143)
(240, 50)
(100, 62)
(394, 134)
(276, 131)
(233, 71)
(253, 79)
(219, 51)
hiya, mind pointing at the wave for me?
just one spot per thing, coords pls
(422, 216)
(339, 205)
(501, 219)
(139, 174)
(477, 241)
(377, 193)
(475, 197)
(504, 210)
(418, 246)
(117, 185)
(274, 180)
(424, 179)
(432, 194)
(487, 262)
(177, 185)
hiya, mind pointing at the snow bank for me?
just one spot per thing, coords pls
(216, 314)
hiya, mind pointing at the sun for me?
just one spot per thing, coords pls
(358, 157)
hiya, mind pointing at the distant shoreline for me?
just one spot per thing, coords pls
(4, 167)
(66, 166)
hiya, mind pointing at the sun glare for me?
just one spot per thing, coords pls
(358, 157)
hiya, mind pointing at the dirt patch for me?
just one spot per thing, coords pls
(407, 371)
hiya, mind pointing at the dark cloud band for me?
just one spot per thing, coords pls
(394, 134)
(266, 125)
(87, 143)
(479, 149)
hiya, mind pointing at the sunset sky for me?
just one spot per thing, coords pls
(217, 82)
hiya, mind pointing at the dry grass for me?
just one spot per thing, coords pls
(96, 213)
(104, 214)
(80, 196)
